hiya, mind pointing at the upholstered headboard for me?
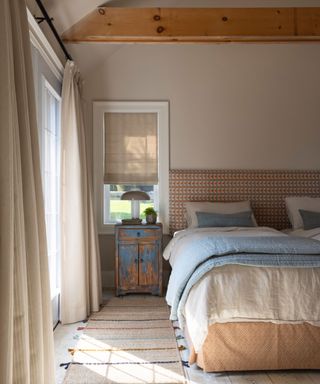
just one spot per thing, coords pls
(266, 189)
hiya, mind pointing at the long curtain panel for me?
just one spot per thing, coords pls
(80, 261)
(26, 337)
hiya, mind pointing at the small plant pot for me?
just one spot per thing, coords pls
(151, 219)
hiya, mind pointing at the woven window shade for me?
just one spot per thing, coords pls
(131, 148)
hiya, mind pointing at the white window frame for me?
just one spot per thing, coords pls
(43, 47)
(161, 108)
(40, 42)
(46, 85)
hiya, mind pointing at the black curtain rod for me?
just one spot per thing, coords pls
(53, 29)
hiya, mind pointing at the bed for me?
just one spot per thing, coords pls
(245, 296)
(313, 233)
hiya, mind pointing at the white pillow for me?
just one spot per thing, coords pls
(214, 207)
(293, 204)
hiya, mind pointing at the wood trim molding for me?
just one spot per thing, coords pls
(196, 25)
(40, 42)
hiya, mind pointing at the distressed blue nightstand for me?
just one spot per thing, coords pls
(138, 259)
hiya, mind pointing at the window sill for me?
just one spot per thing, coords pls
(54, 294)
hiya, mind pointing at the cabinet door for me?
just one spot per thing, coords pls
(148, 264)
(128, 265)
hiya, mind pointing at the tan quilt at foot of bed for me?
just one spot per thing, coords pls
(259, 346)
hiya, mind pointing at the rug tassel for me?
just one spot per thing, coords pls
(71, 351)
(185, 363)
(80, 328)
(175, 327)
(65, 365)
(179, 337)
(181, 348)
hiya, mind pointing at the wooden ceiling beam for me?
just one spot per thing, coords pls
(192, 25)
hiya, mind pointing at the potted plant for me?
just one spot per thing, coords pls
(151, 215)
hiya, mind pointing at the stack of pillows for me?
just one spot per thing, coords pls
(303, 213)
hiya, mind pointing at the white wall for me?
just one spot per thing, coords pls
(231, 105)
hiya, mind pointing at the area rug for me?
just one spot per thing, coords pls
(130, 341)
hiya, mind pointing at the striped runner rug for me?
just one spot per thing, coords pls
(130, 341)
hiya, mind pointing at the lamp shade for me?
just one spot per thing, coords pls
(135, 195)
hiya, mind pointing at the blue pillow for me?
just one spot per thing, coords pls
(310, 219)
(240, 219)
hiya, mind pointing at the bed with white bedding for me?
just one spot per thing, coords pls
(313, 233)
(247, 297)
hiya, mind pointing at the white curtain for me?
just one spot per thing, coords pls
(80, 265)
(26, 337)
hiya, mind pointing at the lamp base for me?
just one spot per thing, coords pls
(131, 221)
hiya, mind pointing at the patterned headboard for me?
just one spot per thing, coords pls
(266, 189)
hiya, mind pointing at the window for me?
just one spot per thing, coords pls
(130, 152)
(50, 168)
(48, 74)
(116, 209)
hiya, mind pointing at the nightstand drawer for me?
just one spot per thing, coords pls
(139, 233)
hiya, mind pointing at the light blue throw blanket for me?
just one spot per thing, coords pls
(209, 252)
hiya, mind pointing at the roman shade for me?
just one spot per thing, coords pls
(131, 148)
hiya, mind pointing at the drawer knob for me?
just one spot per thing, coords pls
(141, 260)
(138, 234)
(136, 260)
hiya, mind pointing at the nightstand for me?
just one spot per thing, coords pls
(138, 259)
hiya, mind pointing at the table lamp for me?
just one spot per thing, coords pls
(135, 196)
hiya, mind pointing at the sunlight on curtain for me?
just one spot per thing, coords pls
(80, 259)
(26, 337)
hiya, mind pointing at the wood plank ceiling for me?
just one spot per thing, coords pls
(181, 25)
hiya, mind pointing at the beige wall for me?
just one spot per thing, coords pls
(231, 106)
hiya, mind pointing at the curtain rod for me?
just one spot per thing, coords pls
(53, 29)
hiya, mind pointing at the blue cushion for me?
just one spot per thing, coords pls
(310, 219)
(240, 219)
